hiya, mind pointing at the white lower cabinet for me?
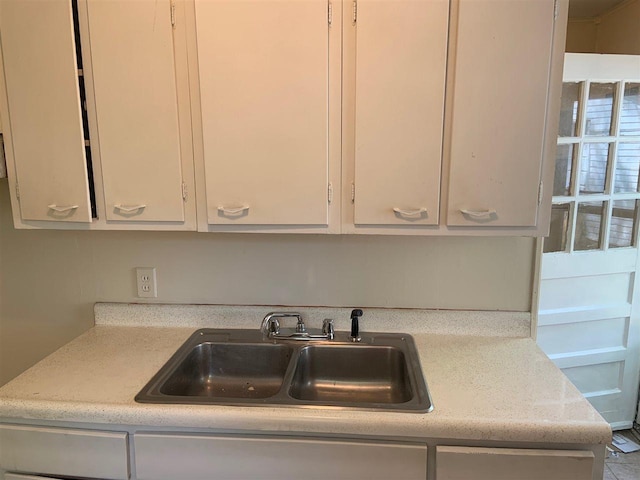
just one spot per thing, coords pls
(65, 452)
(164, 456)
(30, 452)
(478, 463)
(15, 476)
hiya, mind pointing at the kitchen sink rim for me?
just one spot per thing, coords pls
(421, 401)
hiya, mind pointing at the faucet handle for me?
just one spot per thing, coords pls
(271, 326)
(328, 329)
(300, 327)
(274, 326)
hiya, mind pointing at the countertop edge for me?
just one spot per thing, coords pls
(255, 420)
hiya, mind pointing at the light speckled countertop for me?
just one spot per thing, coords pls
(500, 388)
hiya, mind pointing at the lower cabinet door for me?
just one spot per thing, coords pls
(476, 463)
(187, 457)
(17, 476)
(64, 452)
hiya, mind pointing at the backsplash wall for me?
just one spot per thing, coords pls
(49, 280)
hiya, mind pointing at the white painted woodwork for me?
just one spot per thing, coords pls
(399, 105)
(263, 82)
(65, 452)
(601, 68)
(500, 80)
(274, 458)
(15, 476)
(588, 325)
(44, 127)
(134, 85)
(478, 463)
(589, 303)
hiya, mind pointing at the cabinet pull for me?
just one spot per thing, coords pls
(232, 210)
(410, 213)
(58, 209)
(130, 208)
(478, 213)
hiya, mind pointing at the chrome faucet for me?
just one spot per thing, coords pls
(270, 328)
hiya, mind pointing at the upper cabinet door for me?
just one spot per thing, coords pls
(500, 68)
(264, 88)
(45, 120)
(400, 65)
(136, 109)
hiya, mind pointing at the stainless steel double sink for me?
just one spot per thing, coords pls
(242, 367)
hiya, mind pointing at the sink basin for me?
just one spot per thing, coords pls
(349, 374)
(229, 370)
(241, 367)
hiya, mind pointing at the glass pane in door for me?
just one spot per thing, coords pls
(630, 113)
(569, 109)
(557, 239)
(600, 109)
(593, 167)
(627, 168)
(624, 221)
(564, 167)
(589, 226)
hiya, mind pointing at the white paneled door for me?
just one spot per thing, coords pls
(589, 311)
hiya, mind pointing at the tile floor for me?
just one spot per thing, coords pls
(623, 466)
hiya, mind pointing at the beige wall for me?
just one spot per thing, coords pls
(49, 279)
(619, 30)
(581, 36)
(615, 32)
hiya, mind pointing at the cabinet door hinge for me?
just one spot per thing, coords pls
(354, 19)
(353, 192)
(330, 13)
(173, 14)
(540, 192)
(330, 193)
(17, 190)
(184, 191)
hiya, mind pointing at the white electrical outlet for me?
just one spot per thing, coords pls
(146, 281)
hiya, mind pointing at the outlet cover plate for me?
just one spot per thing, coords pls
(146, 282)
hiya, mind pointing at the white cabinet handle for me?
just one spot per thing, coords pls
(478, 213)
(129, 208)
(58, 209)
(232, 210)
(410, 213)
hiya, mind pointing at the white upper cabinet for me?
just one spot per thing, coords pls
(500, 71)
(134, 126)
(395, 65)
(136, 109)
(265, 71)
(411, 117)
(43, 128)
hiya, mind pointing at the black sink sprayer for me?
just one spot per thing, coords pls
(355, 328)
